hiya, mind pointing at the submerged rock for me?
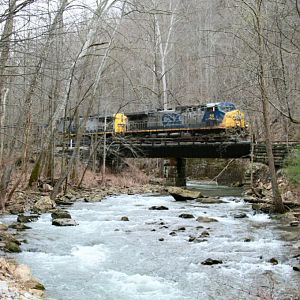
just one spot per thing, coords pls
(158, 208)
(125, 219)
(186, 216)
(247, 240)
(210, 262)
(64, 222)
(296, 268)
(204, 219)
(180, 194)
(210, 200)
(240, 216)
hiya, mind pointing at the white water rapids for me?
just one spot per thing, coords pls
(108, 259)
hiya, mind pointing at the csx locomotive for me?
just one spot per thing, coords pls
(193, 120)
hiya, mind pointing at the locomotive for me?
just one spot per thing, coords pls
(195, 120)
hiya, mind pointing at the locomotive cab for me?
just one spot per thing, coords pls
(213, 116)
(233, 117)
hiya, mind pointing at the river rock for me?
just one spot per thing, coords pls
(23, 273)
(126, 219)
(47, 187)
(26, 219)
(296, 268)
(180, 194)
(295, 223)
(240, 216)
(247, 240)
(196, 240)
(210, 200)
(186, 216)
(63, 201)
(94, 198)
(210, 262)
(203, 219)
(273, 261)
(12, 247)
(3, 227)
(288, 196)
(158, 208)
(205, 233)
(263, 207)
(60, 214)
(44, 204)
(5, 236)
(64, 222)
(19, 226)
(180, 229)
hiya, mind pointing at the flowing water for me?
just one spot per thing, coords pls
(108, 259)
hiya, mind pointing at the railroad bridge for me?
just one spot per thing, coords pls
(178, 149)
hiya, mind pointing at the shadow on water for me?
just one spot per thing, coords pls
(214, 190)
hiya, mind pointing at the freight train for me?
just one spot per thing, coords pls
(193, 120)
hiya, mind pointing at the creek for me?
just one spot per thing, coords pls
(109, 259)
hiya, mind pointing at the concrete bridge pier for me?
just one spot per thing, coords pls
(175, 171)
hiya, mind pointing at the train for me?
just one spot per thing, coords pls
(193, 120)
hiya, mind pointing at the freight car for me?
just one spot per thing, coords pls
(194, 120)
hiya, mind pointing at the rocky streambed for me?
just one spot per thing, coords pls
(152, 247)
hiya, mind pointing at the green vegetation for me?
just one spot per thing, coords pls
(293, 167)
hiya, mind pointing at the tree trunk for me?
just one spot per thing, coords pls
(278, 204)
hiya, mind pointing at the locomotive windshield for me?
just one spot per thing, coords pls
(226, 106)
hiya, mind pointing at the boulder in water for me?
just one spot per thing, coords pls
(126, 219)
(273, 261)
(180, 194)
(204, 219)
(158, 208)
(12, 247)
(26, 219)
(64, 222)
(186, 216)
(60, 214)
(210, 262)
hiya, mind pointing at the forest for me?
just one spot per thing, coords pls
(80, 58)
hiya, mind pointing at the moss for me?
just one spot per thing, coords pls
(12, 247)
(39, 286)
(292, 168)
